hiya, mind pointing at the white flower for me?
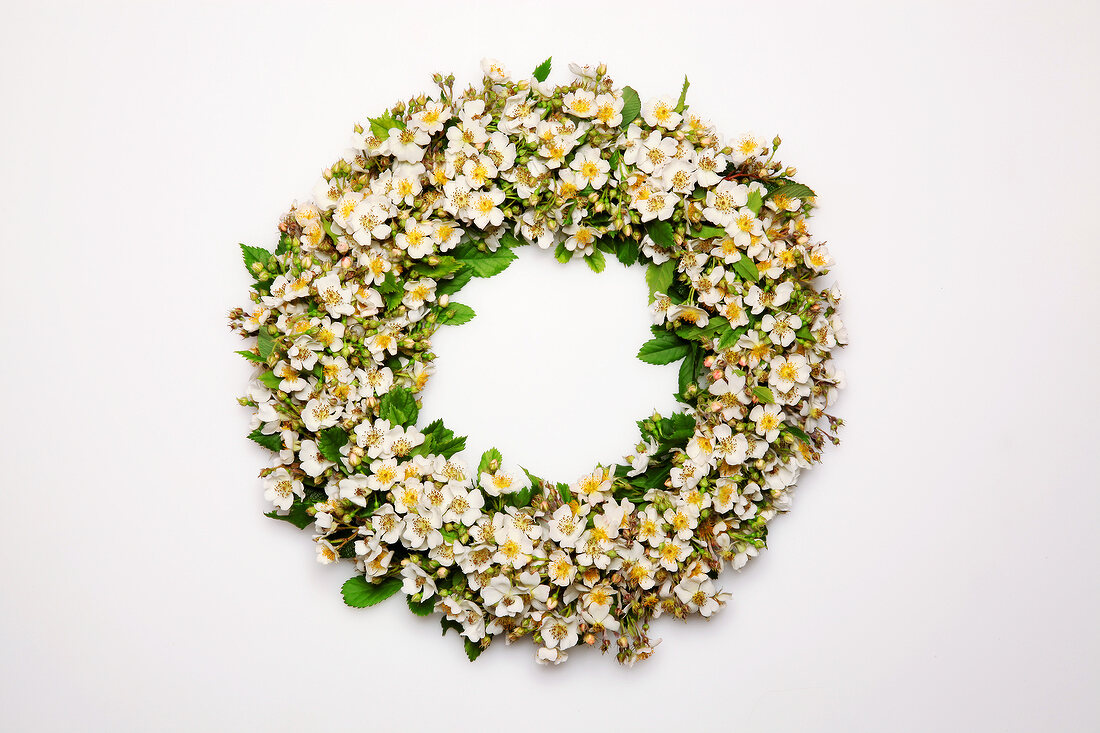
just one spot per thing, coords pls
(418, 239)
(661, 113)
(415, 580)
(432, 118)
(746, 146)
(312, 462)
(494, 70)
(465, 506)
(559, 632)
(408, 145)
(504, 480)
(319, 414)
(333, 297)
(590, 166)
(768, 419)
(581, 239)
(280, 488)
(419, 292)
(560, 568)
(503, 596)
(326, 553)
(566, 526)
(609, 109)
(355, 489)
(781, 327)
(697, 593)
(580, 103)
(785, 372)
(729, 447)
(723, 202)
(483, 207)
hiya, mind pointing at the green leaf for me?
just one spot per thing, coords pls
(255, 258)
(421, 608)
(443, 268)
(484, 264)
(677, 427)
(265, 342)
(763, 394)
(456, 283)
(330, 441)
(360, 593)
(448, 624)
(706, 231)
(730, 337)
(661, 233)
(273, 442)
(689, 369)
(543, 70)
(626, 250)
(399, 407)
(564, 492)
(805, 334)
(511, 241)
(680, 105)
(596, 261)
(659, 277)
(521, 498)
(714, 326)
(381, 126)
(298, 516)
(755, 202)
(664, 348)
(563, 254)
(632, 106)
(473, 649)
(793, 191)
(455, 314)
(746, 268)
(252, 357)
(440, 441)
(798, 433)
(488, 457)
(270, 380)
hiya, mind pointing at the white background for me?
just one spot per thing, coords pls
(938, 572)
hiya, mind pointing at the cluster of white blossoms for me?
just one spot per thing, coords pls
(439, 191)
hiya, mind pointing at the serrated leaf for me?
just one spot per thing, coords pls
(270, 380)
(488, 457)
(358, 592)
(755, 202)
(473, 649)
(273, 442)
(681, 103)
(456, 283)
(677, 427)
(381, 126)
(595, 261)
(265, 343)
(511, 241)
(542, 71)
(661, 233)
(255, 256)
(632, 106)
(298, 516)
(448, 624)
(694, 333)
(485, 264)
(746, 268)
(564, 492)
(626, 250)
(563, 254)
(330, 441)
(252, 357)
(763, 394)
(664, 348)
(420, 608)
(521, 498)
(455, 314)
(730, 337)
(659, 277)
(398, 406)
(793, 191)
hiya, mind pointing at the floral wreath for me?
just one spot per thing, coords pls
(439, 191)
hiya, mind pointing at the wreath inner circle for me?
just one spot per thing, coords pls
(439, 191)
